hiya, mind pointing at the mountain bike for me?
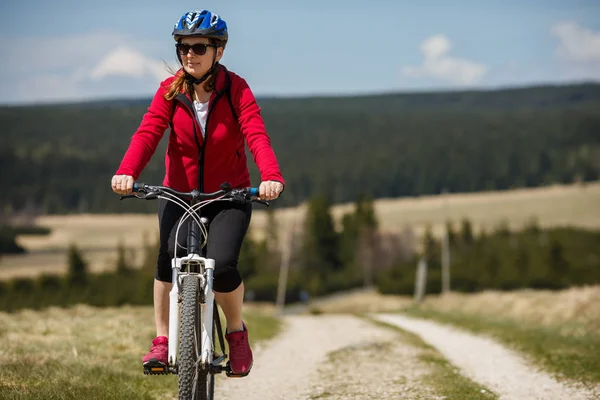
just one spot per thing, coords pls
(194, 321)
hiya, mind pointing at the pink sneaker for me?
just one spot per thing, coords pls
(159, 352)
(240, 354)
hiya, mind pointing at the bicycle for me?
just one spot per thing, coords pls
(192, 349)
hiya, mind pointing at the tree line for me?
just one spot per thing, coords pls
(391, 145)
(326, 258)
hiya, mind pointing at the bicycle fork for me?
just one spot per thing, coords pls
(207, 310)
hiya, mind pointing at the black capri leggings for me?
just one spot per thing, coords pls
(228, 224)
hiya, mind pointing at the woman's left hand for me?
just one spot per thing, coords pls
(270, 190)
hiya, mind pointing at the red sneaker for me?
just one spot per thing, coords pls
(159, 352)
(240, 354)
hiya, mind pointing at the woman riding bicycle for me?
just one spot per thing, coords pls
(212, 114)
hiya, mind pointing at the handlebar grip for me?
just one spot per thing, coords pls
(254, 191)
(137, 186)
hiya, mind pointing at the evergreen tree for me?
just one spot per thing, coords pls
(77, 274)
(452, 236)
(321, 244)
(558, 265)
(430, 247)
(123, 266)
(466, 233)
(365, 212)
(368, 237)
(349, 241)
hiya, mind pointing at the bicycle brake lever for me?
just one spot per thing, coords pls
(265, 202)
(140, 195)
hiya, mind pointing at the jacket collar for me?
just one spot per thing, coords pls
(221, 70)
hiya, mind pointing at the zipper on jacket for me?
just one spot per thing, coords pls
(183, 99)
(203, 149)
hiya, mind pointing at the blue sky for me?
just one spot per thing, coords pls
(66, 50)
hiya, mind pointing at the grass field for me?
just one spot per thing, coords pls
(98, 235)
(89, 353)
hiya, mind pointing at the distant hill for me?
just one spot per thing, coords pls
(60, 158)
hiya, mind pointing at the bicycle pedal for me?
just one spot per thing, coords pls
(154, 367)
(230, 373)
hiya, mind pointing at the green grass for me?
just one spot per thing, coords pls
(261, 326)
(565, 356)
(30, 379)
(88, 353)
(444, 378)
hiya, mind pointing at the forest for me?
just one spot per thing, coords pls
(60, 158)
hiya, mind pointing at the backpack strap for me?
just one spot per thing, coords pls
(228, 94)
(185, 100)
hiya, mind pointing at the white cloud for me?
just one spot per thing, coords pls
(438, 64)
(77, 67)
(435, 47)
(124, 61)
(578, 49)
(51, 53)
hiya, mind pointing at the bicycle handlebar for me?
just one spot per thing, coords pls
(151, 192)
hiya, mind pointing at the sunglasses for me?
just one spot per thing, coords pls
(198, 48)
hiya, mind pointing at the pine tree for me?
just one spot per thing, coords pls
(77, 274)
(349, 240)
(558, 265)
(123, 266)
(321, 244)
(452, 237)
(466, 232)
(367, 237)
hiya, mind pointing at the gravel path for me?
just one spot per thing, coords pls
(328, 357)
(488, 363)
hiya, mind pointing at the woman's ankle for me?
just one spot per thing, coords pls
(235, 327)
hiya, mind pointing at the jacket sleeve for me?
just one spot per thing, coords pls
(145, 140)
(253, 128)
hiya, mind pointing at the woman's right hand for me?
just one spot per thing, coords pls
(122, 184)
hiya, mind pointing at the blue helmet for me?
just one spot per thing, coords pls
(201, 23)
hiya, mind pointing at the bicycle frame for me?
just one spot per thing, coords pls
(196, 265)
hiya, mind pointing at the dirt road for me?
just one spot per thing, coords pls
(485, 361)
(345, 357)
(330, 357)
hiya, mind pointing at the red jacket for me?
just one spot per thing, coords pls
(224, 150)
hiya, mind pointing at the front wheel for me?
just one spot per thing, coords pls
(192, 378)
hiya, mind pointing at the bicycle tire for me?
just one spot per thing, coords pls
(192, 381)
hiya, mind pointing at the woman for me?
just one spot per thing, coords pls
(209, 129)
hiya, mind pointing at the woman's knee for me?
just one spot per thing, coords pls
(226, 281)
(163, 267)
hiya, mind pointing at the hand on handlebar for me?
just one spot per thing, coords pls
(270, 190)
(122, 184)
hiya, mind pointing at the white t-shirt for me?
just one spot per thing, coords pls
(201, 113)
